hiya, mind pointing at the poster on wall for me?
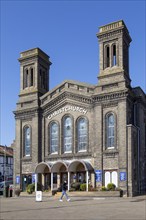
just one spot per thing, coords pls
(122, 176)
(98, 175)
(17, 179)
(33, 177)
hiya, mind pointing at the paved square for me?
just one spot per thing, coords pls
(77, 208)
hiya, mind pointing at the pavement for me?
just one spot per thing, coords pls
(25, 207)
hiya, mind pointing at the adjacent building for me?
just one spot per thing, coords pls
(78, 131)
(6, 163)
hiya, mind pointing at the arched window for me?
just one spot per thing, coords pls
(67, 134)
(54, 138)
(31, 77)
(27, 141)
(110, 131)
(114, 57)
(25, 79)
(82, 134)
(107, 56)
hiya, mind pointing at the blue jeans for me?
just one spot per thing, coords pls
(64, 194)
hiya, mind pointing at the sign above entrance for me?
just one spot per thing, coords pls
(67, 109)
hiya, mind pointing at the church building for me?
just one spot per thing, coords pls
(79, 132)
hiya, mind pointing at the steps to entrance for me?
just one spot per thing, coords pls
(77, 194)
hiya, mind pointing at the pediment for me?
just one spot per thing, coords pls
(68, 108)
(73, 90)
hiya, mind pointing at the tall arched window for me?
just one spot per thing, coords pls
(82, 134)
(114, 57)
(27, 141)
(110, 131)
(67, 134)
(25, 79)
(54, 138)
(31, 77)
(107, 56)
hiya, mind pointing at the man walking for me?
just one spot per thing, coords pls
(64, 188)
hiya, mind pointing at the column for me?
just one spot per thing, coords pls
(36, 180)
(58, 180)
(51, 181)
(87, 180)
(68, 181)
(93, 179)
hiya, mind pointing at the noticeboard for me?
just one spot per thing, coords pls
(98, 175)
(122, 176)
(17, 179)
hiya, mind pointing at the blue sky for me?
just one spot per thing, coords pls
(66, 31)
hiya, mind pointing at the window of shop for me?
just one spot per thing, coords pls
(67, 134)
(54, 138)
(27, 141)
(82, 134)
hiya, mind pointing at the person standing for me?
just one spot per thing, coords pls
(64, 188)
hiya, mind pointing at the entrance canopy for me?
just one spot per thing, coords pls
(59, 166)
(63, 166)
(75, 164)
(43, 167)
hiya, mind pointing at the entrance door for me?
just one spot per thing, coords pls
(107, 178)
(111, 177)
(115, 178)
(26, 180)
(64, 177)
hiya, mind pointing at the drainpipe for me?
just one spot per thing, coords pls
(138, 145)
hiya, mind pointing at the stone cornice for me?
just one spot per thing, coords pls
(111, 96)
(109, 34)
(67, 95)
(69, 156)
(68, 86)
(26, 113)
